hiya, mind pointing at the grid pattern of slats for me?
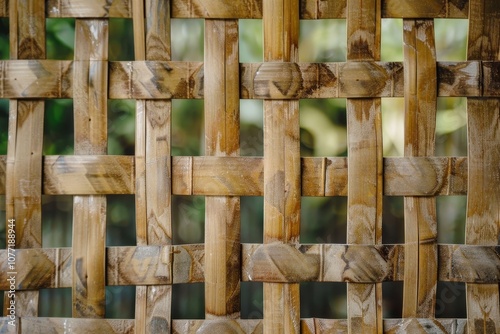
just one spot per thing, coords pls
(281, 176)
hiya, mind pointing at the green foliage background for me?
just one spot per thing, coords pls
(323, 133)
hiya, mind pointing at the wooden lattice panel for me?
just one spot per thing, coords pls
(155, 264)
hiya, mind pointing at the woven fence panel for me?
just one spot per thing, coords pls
(282, 176)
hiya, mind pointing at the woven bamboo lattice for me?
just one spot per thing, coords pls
(281, 176)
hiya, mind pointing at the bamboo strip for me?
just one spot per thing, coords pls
(153, 165)
(49, 268)
(24, 148)
(419, 294)
(281, 164)
(139, 80)
(309, 9)
(89, 212)
(243, 176)
(253, 326)
(482, 226)
(364, 137)
(222, 125)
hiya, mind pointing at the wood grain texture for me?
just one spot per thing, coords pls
(419, 294)
(364, 146)
(24, 79)
(50, 268)
(88, 175)
(482, 226)
(84, 326)
(222, 138)
(153, 166)
(89, 8)
(309, 9)
(237, 326)
(243, 176)
(90, 114)
(25, 142)
(281, 164)
(425, 325)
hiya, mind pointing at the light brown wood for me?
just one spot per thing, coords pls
(153, 165)
(137, 79)
(24, 148)
(87, 326)
(240, 326)
(281, 164)
(89, 212)
(364, 137)
(482, 226)
(222, 125)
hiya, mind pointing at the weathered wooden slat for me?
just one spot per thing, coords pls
(87, 326)
(222, 139)
(160, 79)
(425, 9)
(25, 145)
(36, 79)
(365, 158)
(88, 175)
(425, 325)
(309, 9)
(237, 326)
(90, 114)
(243, 176)
(482, 225)
(149, 265)
(89, 8)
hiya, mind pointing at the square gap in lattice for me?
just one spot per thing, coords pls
(120, 302)
(120, 30)
(58, 133)
(451, 126)
(451, 300)
(187, 38)
(188, 301)
(451, 39)
(251, 128)
(391, 40)
(323, 124)
(57, 221)
(322, 41)
(393, 125)
(60, 38)
(323, 220)
(250, 41)
(120, 220)
(392, 299)
(188, 219)
(326, 300)
(4, 125)
(188, 128)
(121, 127)
(4, 38)
(451, 216)
(393, 220)
(251, 300)
(55, 303)
(252, 219)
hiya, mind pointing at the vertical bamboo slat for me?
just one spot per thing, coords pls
(419, 297)
(153, 165)
(281, 164)
(222, 125)
(24, 153)
(364, 128)
(89, 212)
(483, 197)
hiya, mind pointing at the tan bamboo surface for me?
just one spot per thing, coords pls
(222, 262)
